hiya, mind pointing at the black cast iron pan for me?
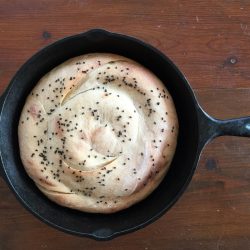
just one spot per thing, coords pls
(196, 129)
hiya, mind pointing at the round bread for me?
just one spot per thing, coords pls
(98, 133)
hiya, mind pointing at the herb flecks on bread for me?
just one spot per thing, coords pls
(98, 133)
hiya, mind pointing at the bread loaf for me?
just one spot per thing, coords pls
(98, 133)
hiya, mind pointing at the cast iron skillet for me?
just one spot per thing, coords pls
(196, 129)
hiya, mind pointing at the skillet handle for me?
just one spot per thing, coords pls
(210, 127)
(235, 127)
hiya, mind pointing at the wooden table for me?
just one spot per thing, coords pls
(210, 42)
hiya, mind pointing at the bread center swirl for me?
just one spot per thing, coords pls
(98, 133)
(92, 120)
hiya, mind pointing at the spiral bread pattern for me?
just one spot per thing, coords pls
(98, 133)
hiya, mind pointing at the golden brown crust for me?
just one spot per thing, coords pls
(98, 133)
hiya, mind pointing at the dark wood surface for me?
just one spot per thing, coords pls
(210, 42)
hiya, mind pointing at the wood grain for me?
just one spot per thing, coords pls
(210, 42)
